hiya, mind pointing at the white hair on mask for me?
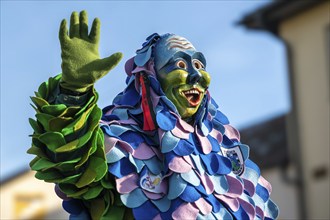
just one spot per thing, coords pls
(179, 42)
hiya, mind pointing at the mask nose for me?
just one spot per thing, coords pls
(194, 76)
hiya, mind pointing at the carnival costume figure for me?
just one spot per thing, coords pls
(161, 150)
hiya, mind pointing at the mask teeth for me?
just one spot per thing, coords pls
(191, 91)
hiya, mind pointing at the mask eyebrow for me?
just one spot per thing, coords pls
(170, 65)
(182, 54)
(199, 56)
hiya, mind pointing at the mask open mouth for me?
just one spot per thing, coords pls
(193, 96)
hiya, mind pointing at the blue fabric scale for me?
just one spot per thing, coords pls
(262, 192)
(184, 148)
(119, 130)
(133, 138)
(220, 184)
(162, 204)
(216, 164)
(115, 155)
(214, 143)
(227, 143)
(221, 118)
(121, 168)
(138, 164)
(134, 199)
(202, 190)
(240, 214)
(191, 178)
(174, 205)
(190, 194)
(154, 165)
(109, 117)
(73, 206)
(177, 186)
(165, 120)
(271, 209)
(168, 158)
(146, 211)
(218, 126)
(252, 165)
(169, 142)
(107, 130)
(156, 87)
(216, 205)
(223, 214)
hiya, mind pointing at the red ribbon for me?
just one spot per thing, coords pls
(148, 122)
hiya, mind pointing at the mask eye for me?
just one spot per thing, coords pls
(198, 64)
(181, 64)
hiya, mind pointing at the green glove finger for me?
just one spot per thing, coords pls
(94, 71)
(63, 33)
(74, 25)
(83, 21)
(94, 35)
(108, 63)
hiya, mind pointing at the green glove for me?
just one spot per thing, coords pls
(81, 63)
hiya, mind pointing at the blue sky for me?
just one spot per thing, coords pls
(248, 68)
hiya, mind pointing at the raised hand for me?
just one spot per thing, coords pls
(81, 62)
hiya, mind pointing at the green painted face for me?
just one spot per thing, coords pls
(184, 81)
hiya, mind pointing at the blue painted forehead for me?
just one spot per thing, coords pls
(168, 45)
(162, 48)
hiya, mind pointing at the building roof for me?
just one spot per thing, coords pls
(269, 16)
(268, 142)
(14, 175)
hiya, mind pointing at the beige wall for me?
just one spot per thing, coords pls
(25, 197)
(307, 35)
(283, 194)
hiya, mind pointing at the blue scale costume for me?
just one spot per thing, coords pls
(107, 165)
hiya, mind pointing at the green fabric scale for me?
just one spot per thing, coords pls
(69, 149)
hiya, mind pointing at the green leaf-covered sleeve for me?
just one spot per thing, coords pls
(68, 146)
